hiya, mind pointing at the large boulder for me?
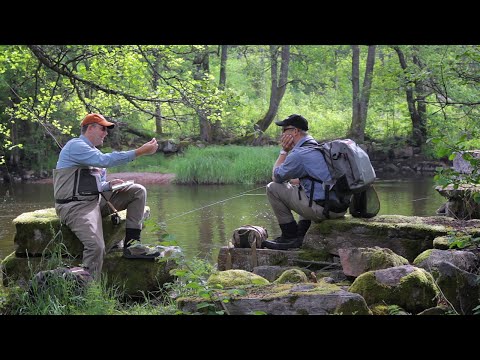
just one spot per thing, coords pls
(39, 233)
(133, 277)
(356, 261)
(280, 299)
(407, 236)
(407, 286)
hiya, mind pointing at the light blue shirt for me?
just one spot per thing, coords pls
(301, 162)
(81, 152)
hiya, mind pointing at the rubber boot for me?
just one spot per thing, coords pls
(131, 235)
(303, 226)
(288, 240)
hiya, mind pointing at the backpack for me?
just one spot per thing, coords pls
(352, 178)
(49, 280)
(247, 236)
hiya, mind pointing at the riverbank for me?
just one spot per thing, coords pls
(138, 177)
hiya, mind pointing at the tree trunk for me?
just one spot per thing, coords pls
(278, 83)
(355, 126)
(420, 133)
(360, 100)
(223, 67)
(365, 96)
(202, 66)
(155, 81)
(417, 115)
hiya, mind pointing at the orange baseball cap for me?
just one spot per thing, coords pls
(96, 119)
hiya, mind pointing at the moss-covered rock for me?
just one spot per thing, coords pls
(286, 299)
(234, 278)
(134, 277)
(137, 277)
(430, 260)
(422, 257)
(381, 258)
(441, 242)
(407, 236)
(382, 309)
(292, 276)
(356, 261)
(38, 233)
(407, 286)
(459, 287)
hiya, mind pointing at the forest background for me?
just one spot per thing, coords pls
(420, 95)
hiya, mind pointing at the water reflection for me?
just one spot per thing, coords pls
(202, 218)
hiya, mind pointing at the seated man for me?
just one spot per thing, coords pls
(79, 179)
(296, 162)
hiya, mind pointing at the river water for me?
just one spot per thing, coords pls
(201, 219)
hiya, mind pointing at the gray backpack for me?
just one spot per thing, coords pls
(351, 171)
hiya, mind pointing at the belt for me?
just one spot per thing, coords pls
(66, 201)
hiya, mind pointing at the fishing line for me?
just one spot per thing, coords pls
(215, 203)
(425, 198)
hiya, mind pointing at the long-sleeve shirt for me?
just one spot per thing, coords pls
(81, 152)
(301, 162)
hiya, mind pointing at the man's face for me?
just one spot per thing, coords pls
(96, 134)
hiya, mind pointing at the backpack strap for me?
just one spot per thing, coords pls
(312, 143)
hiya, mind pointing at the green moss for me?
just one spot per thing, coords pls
(371, 290)
(314, 255)
(416, 291)
(381, 258)
(292, 276)
(235, 277)
(273, 291)
(379, 309)
(42, 216)
(136, 277)
(421, 257)
(441, 242)
(422, 285)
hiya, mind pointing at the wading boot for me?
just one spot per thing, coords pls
(288, 240)
(303, 226)
(133, 249)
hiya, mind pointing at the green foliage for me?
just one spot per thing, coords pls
(130, 83)
(462, 241)
(452, 147)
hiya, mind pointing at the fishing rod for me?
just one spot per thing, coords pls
(214, 203)
(38, 119)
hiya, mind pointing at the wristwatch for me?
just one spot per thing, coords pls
(283, 152)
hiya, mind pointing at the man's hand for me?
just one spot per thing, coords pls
(148, 148)
(287, 142)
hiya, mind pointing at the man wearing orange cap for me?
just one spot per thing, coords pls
(79, 178)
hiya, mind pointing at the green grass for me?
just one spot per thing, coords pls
(62, 296)
(231, 164)
(148, 163)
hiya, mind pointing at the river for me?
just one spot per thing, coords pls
(201, 219)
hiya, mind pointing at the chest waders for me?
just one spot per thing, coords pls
(80, 184)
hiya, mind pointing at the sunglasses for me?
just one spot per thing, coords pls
(104, 128)
(289, 128)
